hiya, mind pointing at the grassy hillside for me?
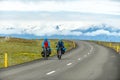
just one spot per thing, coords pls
(23, 50)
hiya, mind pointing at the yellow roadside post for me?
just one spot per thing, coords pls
(6, 60)
(74, 44)
(117, 48)
(110, 45)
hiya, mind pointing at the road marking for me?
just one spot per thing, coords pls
(69, 64)
(91, 49)
(50, 72)
(79, 59)
(88, 53)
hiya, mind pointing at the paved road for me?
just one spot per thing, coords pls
(87, 62)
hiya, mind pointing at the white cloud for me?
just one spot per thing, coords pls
(93, 6)
(98, 32)
(68, 14)
(65, 28)
(102, 32)
(95, 11)
(39, 28)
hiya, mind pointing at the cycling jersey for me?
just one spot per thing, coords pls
(46, 44)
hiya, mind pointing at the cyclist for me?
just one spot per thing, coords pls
(60, 44)
(46, 44)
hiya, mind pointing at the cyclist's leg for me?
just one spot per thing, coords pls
(62, 51)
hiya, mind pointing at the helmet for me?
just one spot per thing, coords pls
(45, 39)
(60, 40)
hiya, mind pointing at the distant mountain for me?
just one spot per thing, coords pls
(100, 37)
(102, 32)
(98, 27)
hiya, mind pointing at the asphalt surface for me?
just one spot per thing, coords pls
(88, 61)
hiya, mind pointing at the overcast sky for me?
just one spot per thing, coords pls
(54, 12)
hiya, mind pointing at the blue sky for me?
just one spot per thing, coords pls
(45, 15)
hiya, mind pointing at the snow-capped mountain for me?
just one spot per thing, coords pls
(66, 31)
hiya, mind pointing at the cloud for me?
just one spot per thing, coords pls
(95, 11)
(94, 6)
(38, 28)
(40, 17)
(98, 32)
(102, 32)
(65, 28)
(60, 15)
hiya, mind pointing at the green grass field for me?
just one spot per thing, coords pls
(24, 50)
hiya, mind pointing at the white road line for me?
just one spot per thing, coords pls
(79, 59)
(91, 49)
(50, 72)
(85, 55)
(69, 64)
